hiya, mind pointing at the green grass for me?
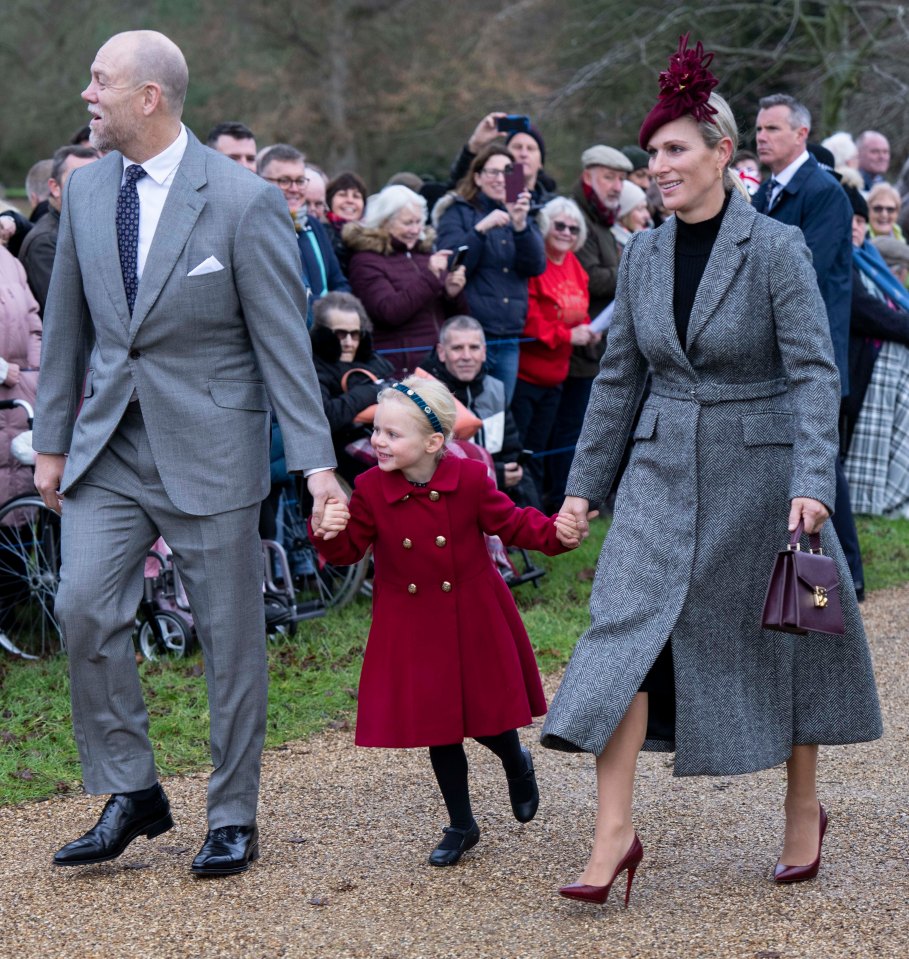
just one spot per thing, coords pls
(313, 676)
(885, 551)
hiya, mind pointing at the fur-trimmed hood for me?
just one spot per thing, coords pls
(359, 239)
(444, 203)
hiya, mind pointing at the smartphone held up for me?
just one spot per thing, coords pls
(513, 123)
(514, 182)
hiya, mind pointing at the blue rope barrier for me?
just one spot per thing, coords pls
(426, 349)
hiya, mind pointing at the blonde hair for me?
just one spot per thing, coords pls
(436, 396)
(723, 125)
(882, 189)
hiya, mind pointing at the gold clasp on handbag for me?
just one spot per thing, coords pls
(820, 596)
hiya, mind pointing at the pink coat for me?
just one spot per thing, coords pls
(20, 343)
(447, 655)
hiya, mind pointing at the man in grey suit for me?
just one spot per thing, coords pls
(174, 324)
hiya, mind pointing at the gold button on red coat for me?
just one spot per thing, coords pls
(407, 543)
(446, 587)
(434, 496)
(412, 588)
(441, 541)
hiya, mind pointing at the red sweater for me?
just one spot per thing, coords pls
(558, 301)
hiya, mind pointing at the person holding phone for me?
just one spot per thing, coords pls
(504, 249)
(526, 144)
(407, 289)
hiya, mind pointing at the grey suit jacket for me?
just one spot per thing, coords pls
(208, 356)
(737, 423)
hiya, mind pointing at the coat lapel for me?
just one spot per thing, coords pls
(725, 260)
(181, 210)
(664, 287)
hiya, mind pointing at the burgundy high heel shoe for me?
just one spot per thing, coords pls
(784, 873)
(599, 894)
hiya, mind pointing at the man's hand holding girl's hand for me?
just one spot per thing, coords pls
(335, 518)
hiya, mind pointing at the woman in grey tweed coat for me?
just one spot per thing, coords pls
(734, 444)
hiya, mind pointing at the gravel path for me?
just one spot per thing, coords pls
(346, 831)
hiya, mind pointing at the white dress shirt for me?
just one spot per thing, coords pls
(153, 189)
(783, 177)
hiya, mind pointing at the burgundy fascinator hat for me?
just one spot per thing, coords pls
(684, 90)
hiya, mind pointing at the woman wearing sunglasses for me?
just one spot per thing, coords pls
(557, 320)
(884, 208)
(350, 373)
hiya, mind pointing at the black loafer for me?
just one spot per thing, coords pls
(448, 857)
(227, 850)
(121, 821)
(523, 791)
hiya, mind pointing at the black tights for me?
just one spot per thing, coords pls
(449, 763)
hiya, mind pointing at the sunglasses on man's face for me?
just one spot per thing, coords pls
(343, 334)
(561, 227)
(889, 210)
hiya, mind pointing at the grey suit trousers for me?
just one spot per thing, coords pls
(110, 520)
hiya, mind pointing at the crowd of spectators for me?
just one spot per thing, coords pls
(499, 284)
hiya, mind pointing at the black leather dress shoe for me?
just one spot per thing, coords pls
(523, 791)
(121, 821)
(447, 855)
(227, 850)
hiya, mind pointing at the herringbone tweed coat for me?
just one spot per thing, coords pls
(737, 424)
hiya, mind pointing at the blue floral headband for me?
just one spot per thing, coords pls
(434, 421)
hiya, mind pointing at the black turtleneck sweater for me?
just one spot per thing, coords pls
(693, 246)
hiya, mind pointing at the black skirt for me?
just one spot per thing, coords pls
(659, 684)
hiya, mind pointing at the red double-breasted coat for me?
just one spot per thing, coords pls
(447, 654)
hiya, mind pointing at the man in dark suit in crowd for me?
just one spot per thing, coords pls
(40, 244)
(800, 193)
(174, 325)
(234, 140)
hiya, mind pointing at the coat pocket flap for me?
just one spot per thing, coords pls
(816, 571)
(239, 394)
(647, 422)
(768, 429)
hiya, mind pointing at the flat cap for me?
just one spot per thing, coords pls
(601, 155)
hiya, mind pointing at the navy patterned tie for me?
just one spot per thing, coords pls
(128, 232)
(773, 194)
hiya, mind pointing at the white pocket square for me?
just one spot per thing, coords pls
(211, 265)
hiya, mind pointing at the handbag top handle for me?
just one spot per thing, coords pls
(814, 539)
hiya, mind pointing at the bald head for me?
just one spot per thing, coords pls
(138, 85)
(153, 58)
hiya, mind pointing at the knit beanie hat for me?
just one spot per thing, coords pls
(532, 131)
(632, 195)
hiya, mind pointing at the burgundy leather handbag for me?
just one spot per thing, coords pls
(804, 590)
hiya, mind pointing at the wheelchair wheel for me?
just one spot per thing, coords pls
(314, 579)
(176, 635)
(29, 575)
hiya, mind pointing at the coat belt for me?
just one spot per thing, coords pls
(707, 394)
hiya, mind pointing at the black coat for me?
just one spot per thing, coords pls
(873, 322)
(341, 407)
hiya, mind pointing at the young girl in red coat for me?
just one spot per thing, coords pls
(447, 655)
